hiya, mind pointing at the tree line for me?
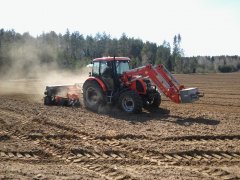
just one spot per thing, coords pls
(73, 50)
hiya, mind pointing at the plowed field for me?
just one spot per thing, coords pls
(187, 141)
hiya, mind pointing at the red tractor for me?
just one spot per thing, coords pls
(111, 81)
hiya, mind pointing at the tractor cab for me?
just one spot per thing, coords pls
(109, 70)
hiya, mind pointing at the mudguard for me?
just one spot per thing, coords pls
(102, 85)
(139, 86)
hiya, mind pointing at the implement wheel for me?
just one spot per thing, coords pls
(93, 95)
(130, 102)
(48, 100)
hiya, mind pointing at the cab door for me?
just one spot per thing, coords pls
(106, 74)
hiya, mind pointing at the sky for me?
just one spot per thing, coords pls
(207, 27)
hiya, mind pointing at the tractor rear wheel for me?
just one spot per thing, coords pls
(93, 95)
(130, 102)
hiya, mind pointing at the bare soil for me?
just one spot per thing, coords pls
(177, 141)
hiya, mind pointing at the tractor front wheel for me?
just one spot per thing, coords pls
(93, 95)
(157, 100)
(130, 102)
(153, 102)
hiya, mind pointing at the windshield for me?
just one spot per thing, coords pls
(122, 66)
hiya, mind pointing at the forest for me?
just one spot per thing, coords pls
(72, 51)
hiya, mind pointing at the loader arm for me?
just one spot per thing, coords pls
(164, 81)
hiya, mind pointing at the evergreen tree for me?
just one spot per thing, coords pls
(163, 54)
(148, 53)
(177, 54)
(123, 46)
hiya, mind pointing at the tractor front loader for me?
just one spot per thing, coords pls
(112, 81)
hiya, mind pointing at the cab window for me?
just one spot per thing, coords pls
(122, 66)
(95, 70)
(103, 67)
(106, 69)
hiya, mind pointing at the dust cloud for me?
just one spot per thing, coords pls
(37, 85)
(27, 75)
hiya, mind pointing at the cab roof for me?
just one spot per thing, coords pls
(112, 59)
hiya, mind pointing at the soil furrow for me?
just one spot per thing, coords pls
(202, 138)
(216, 173)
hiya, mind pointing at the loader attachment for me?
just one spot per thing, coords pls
(66, 95)
(165, 83)
(189, 95)
(176, 92)
(186, 95)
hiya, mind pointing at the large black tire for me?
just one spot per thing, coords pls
(130, 102)
(156, 101)
(152, 102)
(93, 95)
